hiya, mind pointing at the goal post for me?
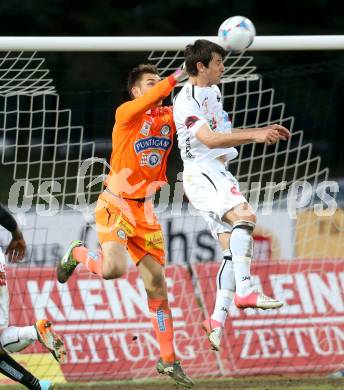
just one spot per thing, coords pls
(52, 175)
(148, 43)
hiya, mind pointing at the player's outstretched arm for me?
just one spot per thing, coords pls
(136, 107)
(268, 135)
(283, 131)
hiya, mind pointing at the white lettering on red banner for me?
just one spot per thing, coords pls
(106, 324)
(305, 335)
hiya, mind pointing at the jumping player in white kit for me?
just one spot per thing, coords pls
(206, 141)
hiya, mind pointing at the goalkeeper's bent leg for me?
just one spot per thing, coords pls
(92, 260)
(108, 263)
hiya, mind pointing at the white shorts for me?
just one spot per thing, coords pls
(4, 298)
(215, 225)
(212, 191)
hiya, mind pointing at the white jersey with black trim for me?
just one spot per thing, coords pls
(193, 107)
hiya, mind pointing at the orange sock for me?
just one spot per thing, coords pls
(91, 260)
(161, 318)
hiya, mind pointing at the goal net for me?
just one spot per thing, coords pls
(52, 174)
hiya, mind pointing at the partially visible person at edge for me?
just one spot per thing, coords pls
(17, 338)
(141, 140)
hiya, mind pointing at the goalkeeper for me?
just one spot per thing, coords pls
(13, 338)
(141, 142)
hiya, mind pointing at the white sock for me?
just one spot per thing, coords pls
(28, 333)
(15, 339)
(225, 282)
(242, 276)
(241, 244)
(223, 301)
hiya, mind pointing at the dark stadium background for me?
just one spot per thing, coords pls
(93, 84)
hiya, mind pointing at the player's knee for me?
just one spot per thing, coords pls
(248, 224)
(158, 282)
(248, 217)
(109, 275)
(251, 218)
(114, 263)
(241, 242)
(157, 286)
(112, 272)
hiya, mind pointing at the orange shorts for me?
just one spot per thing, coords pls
(132, 223)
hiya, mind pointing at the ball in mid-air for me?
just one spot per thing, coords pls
(236, 33)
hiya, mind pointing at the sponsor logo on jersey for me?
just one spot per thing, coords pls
(122, 224)
(143, 160)
(190, 121)
(153, 159)
(188, 148)
(165, 130)
(154, 240)
(150, 160)
(160, 143)
(121, 234)
(145, 128)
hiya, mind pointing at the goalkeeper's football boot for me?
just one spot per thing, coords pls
(257, 300)
(175, 371)
(51, 340)
(46, 385)
(214, 332)
(67, 264)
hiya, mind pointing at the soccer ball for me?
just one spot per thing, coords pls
(236, 33)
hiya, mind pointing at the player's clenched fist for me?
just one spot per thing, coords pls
(16, 248)
(271, 134)
(284, 133)
(266, 136)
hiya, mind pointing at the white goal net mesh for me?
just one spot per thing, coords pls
(105, 323)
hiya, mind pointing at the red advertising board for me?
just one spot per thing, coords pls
(106, 324)
(306, 335)
(108, 333)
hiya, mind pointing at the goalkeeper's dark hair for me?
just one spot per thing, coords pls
(201, 51)
(136, 74)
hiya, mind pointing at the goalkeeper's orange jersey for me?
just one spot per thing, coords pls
(142, 139)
